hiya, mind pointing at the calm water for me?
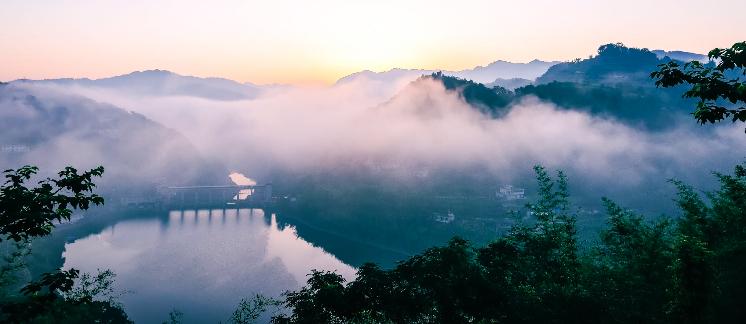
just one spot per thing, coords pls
(200, 262)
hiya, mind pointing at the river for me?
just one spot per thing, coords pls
(200, 263)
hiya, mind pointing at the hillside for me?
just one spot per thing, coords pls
(681, 56)
(490, 101)
(614, 64)
(52, 130)
(614, 84)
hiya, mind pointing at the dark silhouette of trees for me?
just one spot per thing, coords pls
(490, 101)
(686, 270)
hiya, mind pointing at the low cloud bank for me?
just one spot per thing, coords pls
(419, 128)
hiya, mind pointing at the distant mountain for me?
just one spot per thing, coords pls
(392, 75)
(165, 83)
(504, 70)
(681, 56)
(480, 74)
(52, 129)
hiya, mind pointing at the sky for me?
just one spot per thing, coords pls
(282, 41)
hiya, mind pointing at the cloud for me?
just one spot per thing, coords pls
(420, 128)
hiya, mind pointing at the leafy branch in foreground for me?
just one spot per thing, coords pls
(712, 85)
(31, 212)
(26, 212)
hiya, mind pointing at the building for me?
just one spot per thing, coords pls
(510, 193)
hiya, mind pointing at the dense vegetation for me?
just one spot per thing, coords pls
(488, 101)
(28, 212)
(613, 84)
(687, 270)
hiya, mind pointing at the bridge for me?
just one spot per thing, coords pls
(238, 196)
(197, 197)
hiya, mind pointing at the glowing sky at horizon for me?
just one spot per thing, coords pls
(284, 41)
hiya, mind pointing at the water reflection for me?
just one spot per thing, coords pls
(200, 262)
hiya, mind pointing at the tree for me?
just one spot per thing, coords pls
(719, 87)
(26, 212)
(629, 271)
(31, 212)
(249, 310)
(55, 299)
(687, 270)
(530, 275)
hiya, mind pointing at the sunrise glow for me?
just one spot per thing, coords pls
(321, 41)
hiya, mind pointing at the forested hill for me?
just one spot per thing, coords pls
(614, 84)
(615, 63)
(491, 101)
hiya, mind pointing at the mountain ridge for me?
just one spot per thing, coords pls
(166, 83)
(491, 72)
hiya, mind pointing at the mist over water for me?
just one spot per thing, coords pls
(200, 262)
(368, 169)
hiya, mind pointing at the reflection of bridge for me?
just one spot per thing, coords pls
(234, 196)
(209, 217)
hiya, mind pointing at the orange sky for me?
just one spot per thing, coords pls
(285, 41)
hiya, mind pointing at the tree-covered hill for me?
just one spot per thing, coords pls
(636, 105)
(490, 101)
(613, 84)
(615, 63)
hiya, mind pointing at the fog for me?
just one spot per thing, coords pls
(53, 128)
(412, 129)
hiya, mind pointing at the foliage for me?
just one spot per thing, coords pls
(249, 311)
(720, 89)
(615, 83)
(459, 283)
(28, 212)
(629, 272)
(56, 298)
(489, 101)
(634, 104)
(688, 270)
(100, 286)
(31, 212)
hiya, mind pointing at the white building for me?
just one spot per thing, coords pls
(508, 192)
